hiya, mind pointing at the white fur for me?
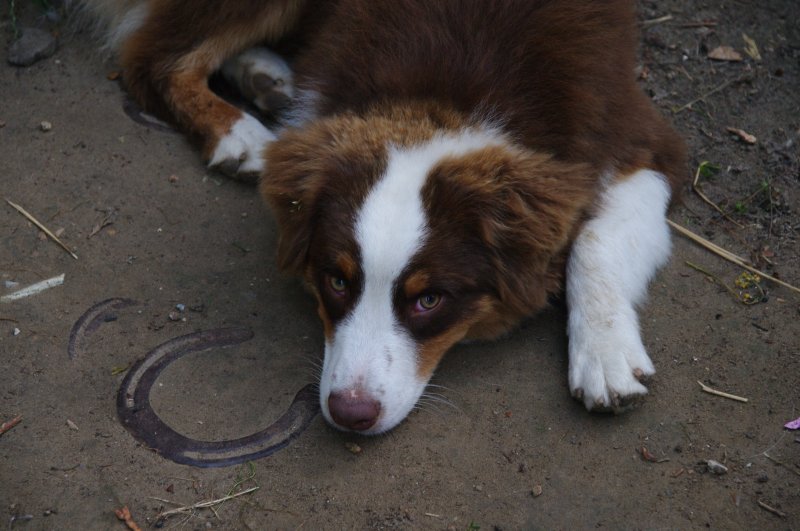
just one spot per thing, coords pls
(244, 143)
(612, 261)
(370, 350)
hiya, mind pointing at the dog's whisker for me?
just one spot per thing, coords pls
(439, 400)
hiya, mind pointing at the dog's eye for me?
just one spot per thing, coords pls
(337, 284)
(428, 302)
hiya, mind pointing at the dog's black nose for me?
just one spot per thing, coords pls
(353, 409)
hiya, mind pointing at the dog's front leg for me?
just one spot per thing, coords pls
(612, 260)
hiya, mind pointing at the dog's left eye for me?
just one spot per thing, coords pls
(337, 284)
(428, 302)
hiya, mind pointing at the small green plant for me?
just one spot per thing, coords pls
(707, 169)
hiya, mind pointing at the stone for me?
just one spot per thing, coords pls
(33, 45)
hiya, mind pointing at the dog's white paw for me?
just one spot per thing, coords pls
(262, 77)
(607, 362)
(240, 153)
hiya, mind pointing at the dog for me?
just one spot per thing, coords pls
(439, 170)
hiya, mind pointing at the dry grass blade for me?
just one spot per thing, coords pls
(654, 21)
(727, 255)
(711, 391)
(207, 504)
(41, 226)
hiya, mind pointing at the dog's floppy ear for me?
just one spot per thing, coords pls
(293, 181)
(527, 208)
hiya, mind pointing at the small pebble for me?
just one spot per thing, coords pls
(16, 331)
(173, 178)
(72, 425)
(180, 307)
(536, 491)
(353, 448)
(45, 126)
(2, 124)
(716, 467)
(173, 316)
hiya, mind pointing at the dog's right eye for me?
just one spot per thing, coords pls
(337, 284)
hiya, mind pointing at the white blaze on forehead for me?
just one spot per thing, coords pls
(391, 225)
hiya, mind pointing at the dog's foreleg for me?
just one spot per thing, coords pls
(612, 260)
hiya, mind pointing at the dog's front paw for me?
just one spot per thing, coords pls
(607, 366)
(239, 154)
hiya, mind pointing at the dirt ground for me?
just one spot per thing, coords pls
(149, 222)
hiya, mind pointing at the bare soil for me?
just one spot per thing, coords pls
(176, 233)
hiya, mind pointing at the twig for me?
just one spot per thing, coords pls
(44, 229)
(654, 21)
(696, 189)
(711, 391)
(124, 514)
(773, 510)
(727, 255)
(10, 424)
(206, 504)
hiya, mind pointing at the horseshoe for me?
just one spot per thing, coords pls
(137, 415)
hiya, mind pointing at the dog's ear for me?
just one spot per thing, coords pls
(294, 179)
(527, 208)
(315, 179)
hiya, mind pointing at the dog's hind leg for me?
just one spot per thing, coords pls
(262, 77)
(167, 62)
(612, 260)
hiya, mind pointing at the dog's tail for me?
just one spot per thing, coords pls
(112, 21)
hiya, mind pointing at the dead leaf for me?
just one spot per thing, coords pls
(744, 135)
(724, 53)
(751, 48)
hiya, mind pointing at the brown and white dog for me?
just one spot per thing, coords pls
(443, 169)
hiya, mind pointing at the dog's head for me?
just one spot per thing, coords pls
(414, 229)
